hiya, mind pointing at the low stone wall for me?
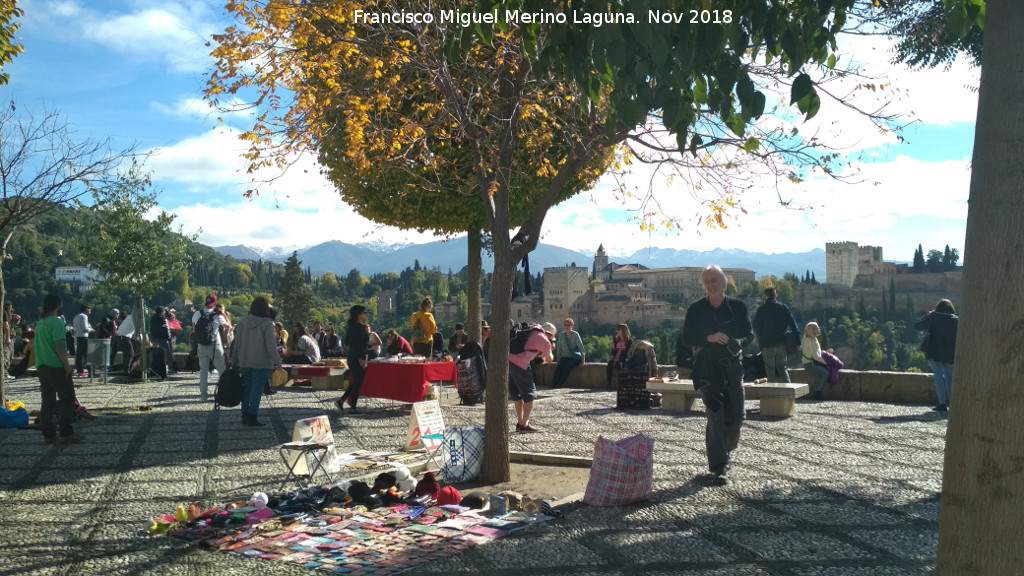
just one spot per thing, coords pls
(854, 385)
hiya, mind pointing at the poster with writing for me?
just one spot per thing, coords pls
(425, 420)
(316, 430)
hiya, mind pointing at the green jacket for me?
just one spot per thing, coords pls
(566, 348)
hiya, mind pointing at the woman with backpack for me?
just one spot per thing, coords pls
(423, 329)
(254, 353)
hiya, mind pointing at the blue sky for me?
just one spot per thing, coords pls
(133, 71)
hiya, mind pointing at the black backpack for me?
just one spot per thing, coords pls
(205, 329)
(229, 388)
(520, 334)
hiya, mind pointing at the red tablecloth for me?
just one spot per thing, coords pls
(404, 382)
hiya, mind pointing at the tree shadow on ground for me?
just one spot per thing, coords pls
(929, 416)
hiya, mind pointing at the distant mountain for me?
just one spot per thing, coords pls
(340, 257)
(763, 264)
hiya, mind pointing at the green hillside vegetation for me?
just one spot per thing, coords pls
(881, 339)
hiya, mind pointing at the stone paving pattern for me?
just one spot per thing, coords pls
(842, 488)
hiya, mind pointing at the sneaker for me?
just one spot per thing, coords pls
(941, 408)
(339, 405)
(72, 439)
(83, 375)
(720, 479)
(818, 396)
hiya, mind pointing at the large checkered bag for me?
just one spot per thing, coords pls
(462, 453)
(622, 472)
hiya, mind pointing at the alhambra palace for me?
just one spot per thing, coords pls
(612, 293)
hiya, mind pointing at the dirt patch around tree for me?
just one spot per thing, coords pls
(536, 481)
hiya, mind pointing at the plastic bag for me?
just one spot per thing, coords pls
(462, 453)
(622, 472)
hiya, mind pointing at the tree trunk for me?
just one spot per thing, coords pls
(473, 296)
(496, 463)
(980, 527)
(3, 341)
(141, 327)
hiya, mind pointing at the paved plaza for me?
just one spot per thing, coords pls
(842, 488)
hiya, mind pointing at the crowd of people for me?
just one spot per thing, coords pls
(716, 329)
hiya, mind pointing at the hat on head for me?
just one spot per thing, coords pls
(485, 325)
(448, 495)
(211, 299)
(549, 328)
(460, 327)
(114, 312)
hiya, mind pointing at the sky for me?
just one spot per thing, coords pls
(133, 71)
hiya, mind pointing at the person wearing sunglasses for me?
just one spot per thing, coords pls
(718, 327)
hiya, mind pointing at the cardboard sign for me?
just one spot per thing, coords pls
(426, 419)
(316, 430)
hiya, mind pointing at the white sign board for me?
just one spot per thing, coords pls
(315, 430)
(426, 420)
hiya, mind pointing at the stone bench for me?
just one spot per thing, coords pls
(777, 398)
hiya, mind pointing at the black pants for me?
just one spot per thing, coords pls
(127, 348)
(358, 374)
(723, 403)
(81, 353)
(58, 398)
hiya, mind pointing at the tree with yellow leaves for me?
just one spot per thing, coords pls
(501, 95)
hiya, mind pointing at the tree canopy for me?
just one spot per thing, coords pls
(610, 79)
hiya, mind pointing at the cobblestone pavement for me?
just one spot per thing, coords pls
(842, 488)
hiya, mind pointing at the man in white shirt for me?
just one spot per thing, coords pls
(212, 350)
(82, 330)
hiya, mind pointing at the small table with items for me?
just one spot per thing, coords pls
(321, 377)
(404, 381)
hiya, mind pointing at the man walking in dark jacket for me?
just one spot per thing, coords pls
(772, 321)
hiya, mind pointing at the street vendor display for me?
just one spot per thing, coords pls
(406, 380)
(348, 527)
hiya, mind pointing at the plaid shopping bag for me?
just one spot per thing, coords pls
(622, 472)
(462, 453)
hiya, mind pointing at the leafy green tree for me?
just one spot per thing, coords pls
(933, 262)
(329, 285)
(43, 166)
(294, 295)
(127, 250)
(9, 46)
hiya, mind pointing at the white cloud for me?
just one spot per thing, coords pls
(188, 108)
(937, 96)
(175, 32)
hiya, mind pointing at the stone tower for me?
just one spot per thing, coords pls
(601, 263)
(841, 263)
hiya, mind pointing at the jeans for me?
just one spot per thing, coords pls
(58, 400)
(775, 361)
(724, 407)
(822, 373)
(562, 371)
(253, 380)
(209, 352)
(943, 374)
